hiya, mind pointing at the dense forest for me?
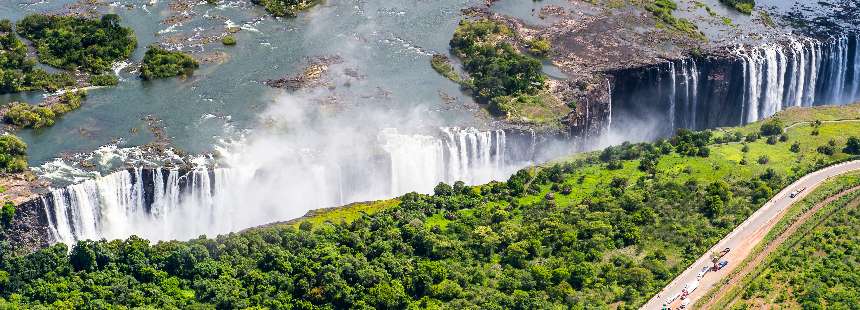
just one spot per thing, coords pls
(18, 72)
(70, 42)
(596, 230)
(160, 63)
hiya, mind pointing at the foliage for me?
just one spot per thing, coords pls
(743, 6)
(13, 154)
(228, 40)
(286, 8)
(29, 116)
(72, 42)
(609, 238)
(496, 68)
(18, 72)
(663, 9)
(161, 63)
(104, 80)
(852, 146)
(772, 127)
(7, 213)
(442, 65)
(539, 47)
(815, 268)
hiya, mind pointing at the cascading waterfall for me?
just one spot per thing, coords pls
(750, 84)
(171, 203)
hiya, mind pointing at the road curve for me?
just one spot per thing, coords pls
(744, 238)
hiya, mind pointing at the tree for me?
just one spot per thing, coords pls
(8, 214)
(795, 148)
(772, 127)
(852, 146)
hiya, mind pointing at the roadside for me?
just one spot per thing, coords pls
(736, 278)
(743, 239)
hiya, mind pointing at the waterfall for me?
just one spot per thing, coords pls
(172, 203)
(745, 85)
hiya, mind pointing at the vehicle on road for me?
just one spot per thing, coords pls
(684, 304)
(797, 192)
(672, 298)
(702, 273)
(722, 264)
(689, 288)
(725, 251)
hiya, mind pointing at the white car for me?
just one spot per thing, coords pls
(702, 273)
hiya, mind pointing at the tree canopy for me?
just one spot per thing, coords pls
(72, 42)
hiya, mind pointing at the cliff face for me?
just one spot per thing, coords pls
(30, 228)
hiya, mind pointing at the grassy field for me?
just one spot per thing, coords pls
(778, 282)
(722, 164)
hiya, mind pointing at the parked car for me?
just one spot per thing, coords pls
(722, 264)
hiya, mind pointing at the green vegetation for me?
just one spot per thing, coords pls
(106, 79)
(568, 234)
(510, 82)
(442, 65)
(539, 47)
(286, 8)
(228, 40)
(13, 154)
(743, 6)
(161, 63)
(813, 267)
(18, 72)
(663, 9)
(24, 115)
(496, 68)
(71, 42)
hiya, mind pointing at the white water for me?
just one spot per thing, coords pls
(182, 205)
(799, 74)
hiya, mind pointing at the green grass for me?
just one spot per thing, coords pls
(347, 213)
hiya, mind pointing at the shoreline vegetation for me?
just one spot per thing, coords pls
(599, 229)
(160, 63)
(286, 8)
(501, 73)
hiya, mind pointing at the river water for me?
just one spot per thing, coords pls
(385, 45)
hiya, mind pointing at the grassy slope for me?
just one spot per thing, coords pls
(750, 291)
(723, 162)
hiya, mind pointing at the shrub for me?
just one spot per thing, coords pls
(13, 154)
(772, 127)
(286, 8)
(443, 66)
(161, 63)
(852, 146)
(828, 150)
(771, 140)
(795, 147)
(743, 6)
(763, 160)
(228, 40)
(104, 80)
(539, 47)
